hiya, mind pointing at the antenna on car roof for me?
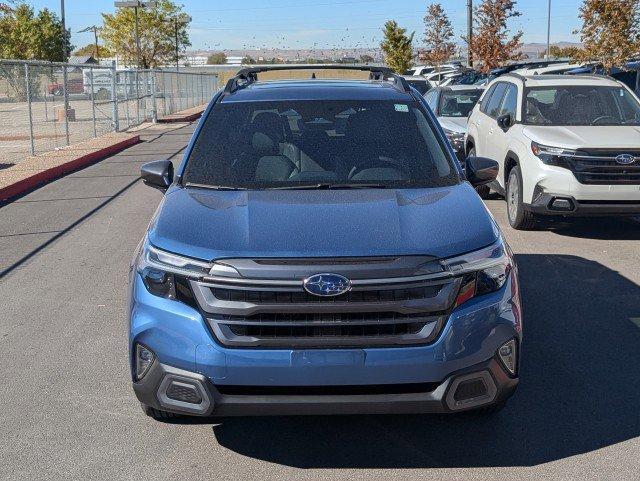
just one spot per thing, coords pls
(249, 75)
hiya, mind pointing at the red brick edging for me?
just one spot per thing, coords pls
(36, 180)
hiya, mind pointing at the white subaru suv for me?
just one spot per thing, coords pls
(566, 146)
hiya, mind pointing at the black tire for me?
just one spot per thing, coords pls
(484, 190)
(157, 414)
(519, 217)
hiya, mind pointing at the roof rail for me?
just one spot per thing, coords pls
(249, 75)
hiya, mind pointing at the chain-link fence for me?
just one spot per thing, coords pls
(45, 106)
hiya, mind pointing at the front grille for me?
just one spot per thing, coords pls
(303, 329)
(303, 297)
(278, 313)
(599, 167)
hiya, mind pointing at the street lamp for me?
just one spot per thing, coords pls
(136, 4)
(178, 21)
(549, 31)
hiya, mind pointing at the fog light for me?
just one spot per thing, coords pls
(144, 360)
(508, 356)
(562, 204)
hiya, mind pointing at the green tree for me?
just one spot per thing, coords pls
(27, 36)
(397, 47)
(248, 60)
(438, 47)
(103, 52)
(366, 59)
(609, 32)
(217, 58)
(157, 34)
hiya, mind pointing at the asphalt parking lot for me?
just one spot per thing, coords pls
(67, 410)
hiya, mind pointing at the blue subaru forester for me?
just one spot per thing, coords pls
(320, 250)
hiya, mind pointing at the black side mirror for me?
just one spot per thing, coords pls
(481, 171)
(157, 174)
(505, 122)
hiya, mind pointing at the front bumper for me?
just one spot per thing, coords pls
(443, 398)
(184, 346)
(566, 205)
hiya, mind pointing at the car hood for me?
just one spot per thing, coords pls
(595, 137)
(455, 124)
(211, 225)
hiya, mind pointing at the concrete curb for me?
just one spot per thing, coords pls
(41, 178)
(185, 116)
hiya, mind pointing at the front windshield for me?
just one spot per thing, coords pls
(581, 105)
(458, 103)
(334, 144)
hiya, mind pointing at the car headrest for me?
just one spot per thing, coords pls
(268, 132)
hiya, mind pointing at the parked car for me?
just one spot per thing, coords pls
(436, 78)
(566, 146)
(74, 86)
(558, 69)
(298, 267)
(452, 106)
(421, 84)
(420, 70)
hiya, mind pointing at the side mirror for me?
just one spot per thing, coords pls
(481, 171)
(157, 174)
(505, 122)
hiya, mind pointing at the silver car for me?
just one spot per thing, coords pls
(452, 106)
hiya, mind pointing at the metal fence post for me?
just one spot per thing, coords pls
(65, 93)
(154, 101)
(114, 97)
(126, 97)
(93, 102)
(28, 82)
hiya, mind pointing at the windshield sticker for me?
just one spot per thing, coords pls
(401, 108)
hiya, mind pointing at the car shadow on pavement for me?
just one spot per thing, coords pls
(609, 228)
(579, 391)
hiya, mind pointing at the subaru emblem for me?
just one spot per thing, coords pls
(327, 285)
(625, 159)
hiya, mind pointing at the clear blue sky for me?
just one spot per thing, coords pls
(320, 23)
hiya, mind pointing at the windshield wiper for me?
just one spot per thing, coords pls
(328, 186)
(213, 186)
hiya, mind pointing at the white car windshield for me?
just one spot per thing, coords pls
(581, 105)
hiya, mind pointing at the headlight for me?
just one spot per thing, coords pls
(483, 271)
(167, 275)
(551, 155)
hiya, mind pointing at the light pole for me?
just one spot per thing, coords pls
(549, 32)
(469, 32)
(136, 4)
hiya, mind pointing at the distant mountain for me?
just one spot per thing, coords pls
(531, 50)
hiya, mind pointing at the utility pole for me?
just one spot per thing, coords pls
(178, 21)
(177, 45)
(136, 4)
(65, 54)
(95, 30)
(549, 32)
(469, 32)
